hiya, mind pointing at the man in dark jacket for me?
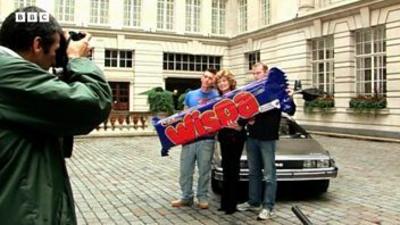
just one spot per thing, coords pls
(37, 109)
(263, 132)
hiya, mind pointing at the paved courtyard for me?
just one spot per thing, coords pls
(125, 181)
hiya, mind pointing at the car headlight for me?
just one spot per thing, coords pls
(332, 163)
(324, 163)
(309, 164)
(217, 156)
(321, 163)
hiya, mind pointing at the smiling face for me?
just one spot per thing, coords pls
(225, 81)
(223, 85)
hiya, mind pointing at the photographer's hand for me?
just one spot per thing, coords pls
(81, 48)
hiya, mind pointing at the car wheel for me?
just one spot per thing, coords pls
(216, 186)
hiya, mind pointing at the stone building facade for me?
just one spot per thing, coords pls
(346, 48)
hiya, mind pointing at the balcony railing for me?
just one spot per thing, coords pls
(125, 123)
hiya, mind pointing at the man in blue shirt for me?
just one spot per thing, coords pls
(201, 149)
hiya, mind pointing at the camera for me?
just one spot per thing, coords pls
(60, 68)
(76, 36)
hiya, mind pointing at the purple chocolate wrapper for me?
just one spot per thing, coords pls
(204, 120)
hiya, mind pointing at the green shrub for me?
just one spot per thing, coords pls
(368, 102)
(160, 100)
(181, 99)
(324, 102)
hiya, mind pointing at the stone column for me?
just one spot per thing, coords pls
(393, 58)
(305, 6)
(344, 69)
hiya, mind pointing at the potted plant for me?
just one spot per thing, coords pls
(368, 103)
(160, 101)
(323, 104)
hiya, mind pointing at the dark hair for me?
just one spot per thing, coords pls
(212, 70)
(18, 36)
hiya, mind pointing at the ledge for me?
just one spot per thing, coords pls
(368, 111)
(354, 132)
(319, 110)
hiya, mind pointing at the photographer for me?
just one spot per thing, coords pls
(38, 109)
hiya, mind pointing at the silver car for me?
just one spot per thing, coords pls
(299, 157)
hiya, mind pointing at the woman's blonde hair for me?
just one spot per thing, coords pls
(225, 73)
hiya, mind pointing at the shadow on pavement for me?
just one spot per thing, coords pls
(288, 191)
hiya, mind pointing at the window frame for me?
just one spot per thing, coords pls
(101, 10)
(265, 6)
(120, 95)
(187, 62)
(24, 3)
(166, 14)
(242, 15)
(65, 10)
(323, 64)
(132, 13)
(252, 58)
(218, 16)
(193, 15)
(115, 57)
(372, 52)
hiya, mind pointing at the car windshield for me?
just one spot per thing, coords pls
(290, 129)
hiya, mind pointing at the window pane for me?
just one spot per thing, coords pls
(198, 67)
(171, 65)
(367, 47)
(114, 63)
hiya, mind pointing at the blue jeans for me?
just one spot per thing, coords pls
(201, 151)
(261, 155)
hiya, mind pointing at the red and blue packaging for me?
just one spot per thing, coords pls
(207, 119)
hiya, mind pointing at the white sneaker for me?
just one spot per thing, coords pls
(266, 214)
(246, 206)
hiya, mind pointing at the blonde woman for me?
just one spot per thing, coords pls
(231, 140)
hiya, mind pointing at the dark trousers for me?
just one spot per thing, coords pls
(231, 151)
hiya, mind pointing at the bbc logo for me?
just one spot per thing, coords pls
(33, 17)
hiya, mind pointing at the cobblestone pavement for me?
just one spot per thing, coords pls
(125, 181)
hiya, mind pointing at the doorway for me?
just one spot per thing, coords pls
(179, 86)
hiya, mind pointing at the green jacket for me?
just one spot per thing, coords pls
(36, 110)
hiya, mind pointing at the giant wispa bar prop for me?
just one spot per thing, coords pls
(245, 102)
